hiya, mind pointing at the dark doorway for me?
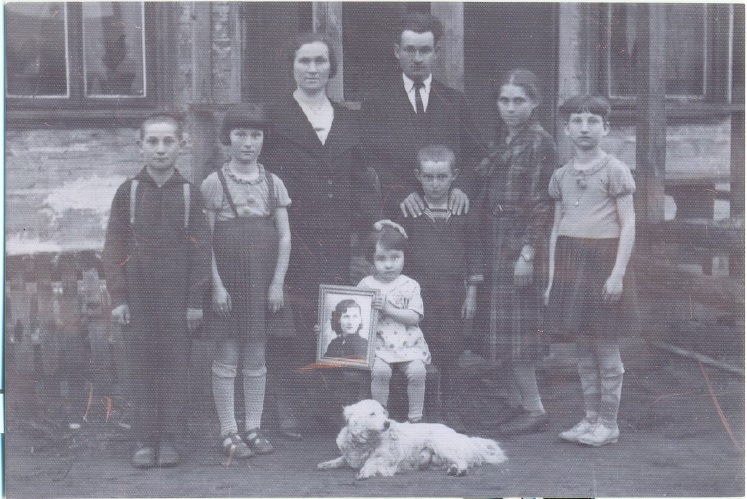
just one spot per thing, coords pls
(499, 37)
(268, 27)
(368, 36)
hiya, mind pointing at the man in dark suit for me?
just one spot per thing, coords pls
(413, 111)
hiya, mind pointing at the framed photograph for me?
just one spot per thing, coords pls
(347, 324)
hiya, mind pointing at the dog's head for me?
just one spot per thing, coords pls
(366, 420)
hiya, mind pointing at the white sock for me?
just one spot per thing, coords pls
(254, 396)
(223, 394)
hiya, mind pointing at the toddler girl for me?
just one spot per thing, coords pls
(399, 340)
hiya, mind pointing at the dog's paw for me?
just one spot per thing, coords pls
(454, 470)
(331, 465)
(362, 476)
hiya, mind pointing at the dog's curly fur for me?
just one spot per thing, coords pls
(376, 445)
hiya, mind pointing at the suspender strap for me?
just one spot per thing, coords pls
(133, 198)
(271, 192)
(187, 199)
(227, 193)
(133, 201)
(273, 202)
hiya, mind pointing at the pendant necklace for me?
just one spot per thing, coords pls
(582, 176)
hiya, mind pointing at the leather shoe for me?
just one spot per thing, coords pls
(290, 430)
(525, 423)
(167, 455)
(144, 457)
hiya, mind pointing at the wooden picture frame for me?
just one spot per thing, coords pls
(337, 306)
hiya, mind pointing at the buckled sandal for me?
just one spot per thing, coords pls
(258, 442)
(233, 443)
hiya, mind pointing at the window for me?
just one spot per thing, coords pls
(77, 55)
(113, 49)
(696, 51)
(36, 50)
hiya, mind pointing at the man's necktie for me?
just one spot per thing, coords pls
(418, 100)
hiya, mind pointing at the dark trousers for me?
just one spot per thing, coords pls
(158, 353)
(444, 330)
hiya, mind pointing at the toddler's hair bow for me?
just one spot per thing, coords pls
(381, 223)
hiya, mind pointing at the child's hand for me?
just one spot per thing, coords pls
(317, 330)
(469, 307)
(194, 318)
(221, 301)
(378, 302)
(523, 272)
(121, 314)
(275, 299)
(613, 289)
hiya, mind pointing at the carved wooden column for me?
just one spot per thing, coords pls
(651, 125)
(328, 19)
(450, 68)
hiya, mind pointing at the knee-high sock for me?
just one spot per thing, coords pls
(526, 380)
(610, 401)
(254, 396)
(588, 371)
(223, 394)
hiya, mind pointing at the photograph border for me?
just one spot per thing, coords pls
(324, 291)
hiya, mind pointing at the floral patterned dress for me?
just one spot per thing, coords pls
(396, 342)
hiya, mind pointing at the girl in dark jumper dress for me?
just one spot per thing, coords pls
(251, 247)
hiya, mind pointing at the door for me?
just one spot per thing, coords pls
(499, 37)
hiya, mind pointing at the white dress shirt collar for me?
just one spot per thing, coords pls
(424, 92)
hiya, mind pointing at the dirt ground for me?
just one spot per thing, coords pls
(682, 434)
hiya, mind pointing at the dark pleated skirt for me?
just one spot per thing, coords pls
(577, 307)
(245, 253)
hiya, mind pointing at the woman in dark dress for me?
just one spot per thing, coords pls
(313, 144)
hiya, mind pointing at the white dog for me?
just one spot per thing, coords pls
(376, 445)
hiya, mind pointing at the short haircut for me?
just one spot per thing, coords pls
(162, 117)
(306, 38)
(521, 78)
(338, 312)
(437, 152)
(420, 23)
(242, 116)
(388, 238)
(592, 104)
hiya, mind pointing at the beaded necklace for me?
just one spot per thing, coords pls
(243, 180)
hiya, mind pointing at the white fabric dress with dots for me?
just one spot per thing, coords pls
(396, 342)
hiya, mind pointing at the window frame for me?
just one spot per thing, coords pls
(717, 77)
(76, 102)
